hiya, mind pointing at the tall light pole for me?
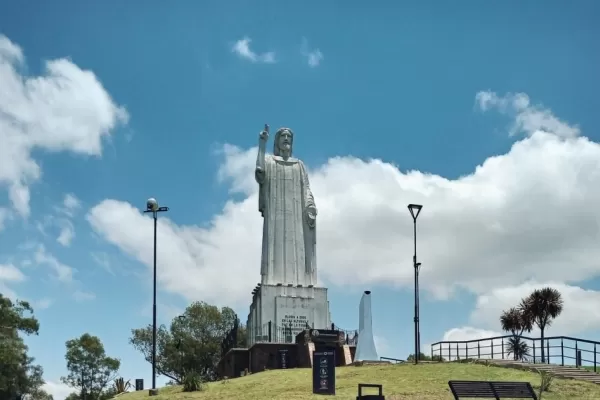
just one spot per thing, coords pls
(415, 209)
(152, 207)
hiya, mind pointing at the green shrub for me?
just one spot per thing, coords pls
(192, 382)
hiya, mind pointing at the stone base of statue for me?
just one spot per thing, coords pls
(279, 312)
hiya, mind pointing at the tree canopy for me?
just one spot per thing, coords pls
(191, 343)
(540, 308)
(18, 374)
(90, 369)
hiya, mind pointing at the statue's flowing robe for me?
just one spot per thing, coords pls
(288, 243)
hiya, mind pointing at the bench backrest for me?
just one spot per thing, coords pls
(492, 390)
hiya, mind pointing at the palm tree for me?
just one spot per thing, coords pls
(542, 306)
(516, 322)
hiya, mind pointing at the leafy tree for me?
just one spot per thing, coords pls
(90, 369)
(542, 306)
(39, 395)
(191, 343)
(18, 374)
(515, 321)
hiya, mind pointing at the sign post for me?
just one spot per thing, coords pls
(324, 372)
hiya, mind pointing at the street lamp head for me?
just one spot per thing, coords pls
(414, 209)
(151, 205)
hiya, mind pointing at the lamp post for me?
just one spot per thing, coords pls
(415, 209)
(152, 207)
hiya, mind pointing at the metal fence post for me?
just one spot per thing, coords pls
(595, 358)
(547, 351)
(577, 354)
(562, 352)
(478, 350)
(467, 350)
(492, 342)
(534, 351)
(503, 348)
(457, 354)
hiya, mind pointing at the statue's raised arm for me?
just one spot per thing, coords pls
(260, 159)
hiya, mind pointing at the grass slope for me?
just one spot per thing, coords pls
(404, 381)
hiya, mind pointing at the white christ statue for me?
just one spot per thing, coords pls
(289, 214)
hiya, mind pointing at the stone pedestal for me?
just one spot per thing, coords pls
(279, 312)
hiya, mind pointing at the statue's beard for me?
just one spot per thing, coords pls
(285, 149)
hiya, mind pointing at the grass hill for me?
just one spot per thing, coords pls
(400, 382)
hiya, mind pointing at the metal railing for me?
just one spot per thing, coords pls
(273, 333)
(392, 360)
(563, 350)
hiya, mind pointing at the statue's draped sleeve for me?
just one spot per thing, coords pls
(309, 200)
(261, 175)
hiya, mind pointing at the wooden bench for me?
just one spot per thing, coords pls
(492, 390)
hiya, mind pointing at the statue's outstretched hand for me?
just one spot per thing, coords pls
(264, 135)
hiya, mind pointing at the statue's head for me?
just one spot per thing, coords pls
(284, 140)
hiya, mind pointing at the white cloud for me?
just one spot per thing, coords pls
(313, 57)
(80, 296)
(66, 109)
(58, 390)
(67, 233)
(10, 273)
(577, 302)
(70, 204)
(528, 118)
(62, 272)
(521, 215)
(242, 49)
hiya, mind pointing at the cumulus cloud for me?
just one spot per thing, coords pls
(528, 118)
(65, 110)
(58, 390)
(67, 233)
(521, 215)
(10, 274)
(577, 302)
(313, 56)
(242, 49)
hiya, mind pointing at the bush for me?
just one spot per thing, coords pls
(192, 382)
(546, 379)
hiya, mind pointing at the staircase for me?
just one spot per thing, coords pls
(567, 372)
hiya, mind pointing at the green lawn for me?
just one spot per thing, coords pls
(400, 382)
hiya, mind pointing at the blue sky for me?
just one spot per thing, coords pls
(486, 114)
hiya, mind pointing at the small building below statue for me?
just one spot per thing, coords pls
(265, 356)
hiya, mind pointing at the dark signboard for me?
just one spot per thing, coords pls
(324, 372)
(139, 384)
(283, 359)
